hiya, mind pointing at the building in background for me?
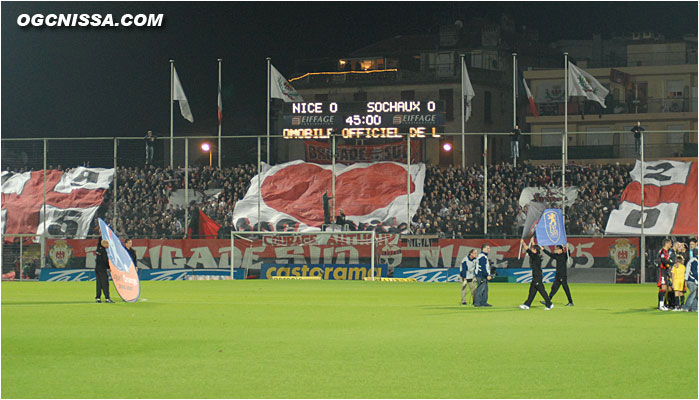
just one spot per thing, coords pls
(650, 79)
(427, 67)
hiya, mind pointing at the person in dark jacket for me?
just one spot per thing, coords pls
(561, 257)
(150, 147)
(637, 132)
(101, 267)
(537, 284)
(326, 210)
(128, 243)
(514, 142)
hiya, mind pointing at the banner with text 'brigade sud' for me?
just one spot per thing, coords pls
(393, 250)
(370, 195)
(319, 152)
(670, 200)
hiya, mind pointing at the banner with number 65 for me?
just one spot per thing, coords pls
(69, 222)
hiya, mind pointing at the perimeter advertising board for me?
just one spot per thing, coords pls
(619, 253)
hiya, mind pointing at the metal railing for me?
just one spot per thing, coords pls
(615, 106)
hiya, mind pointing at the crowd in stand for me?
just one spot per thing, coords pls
(144, 208)
(452, 206)
(453, 201)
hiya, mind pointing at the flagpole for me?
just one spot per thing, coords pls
(485, 184)
(115, 200)
(463, 117)
(564, 145)
(643, 214)
(259, 178)
(219, 122)
(408, 180)
(43, 206)
(514, 118)
(172, 101)
(332, 150)
(514, 99)
(269, 71)
(186, 188)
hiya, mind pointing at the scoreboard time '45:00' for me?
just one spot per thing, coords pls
(363, 120)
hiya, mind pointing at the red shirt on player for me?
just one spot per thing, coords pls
(667, 258)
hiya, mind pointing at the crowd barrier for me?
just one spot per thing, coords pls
(429, 255)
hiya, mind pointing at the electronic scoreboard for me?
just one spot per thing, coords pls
(363, 120)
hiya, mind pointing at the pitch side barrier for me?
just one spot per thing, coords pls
(285, 240)
(420, 257)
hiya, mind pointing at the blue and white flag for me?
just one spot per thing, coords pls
(121, 267)
(551, 230)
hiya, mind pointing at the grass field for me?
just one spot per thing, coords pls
(340, 339)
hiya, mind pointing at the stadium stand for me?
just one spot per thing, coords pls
(451, 208)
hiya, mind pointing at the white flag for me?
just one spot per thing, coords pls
(281, 89)
(85, 178)
(467, 90)
(13, 183)
(180, 96)
(580, 83)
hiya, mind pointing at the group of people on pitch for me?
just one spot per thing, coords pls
(476, 267)
(675, 277)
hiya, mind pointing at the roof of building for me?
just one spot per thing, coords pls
(398, 45)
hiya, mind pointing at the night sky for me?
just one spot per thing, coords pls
(75, 82)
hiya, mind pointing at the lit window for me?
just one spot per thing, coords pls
(675, 88)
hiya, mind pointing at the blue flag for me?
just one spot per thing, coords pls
(551, 230)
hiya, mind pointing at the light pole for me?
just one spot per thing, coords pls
(207, 147)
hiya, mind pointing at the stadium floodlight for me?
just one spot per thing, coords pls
(282, 241)
(207, 147)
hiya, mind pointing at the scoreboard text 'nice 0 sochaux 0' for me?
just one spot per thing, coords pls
(363, 120)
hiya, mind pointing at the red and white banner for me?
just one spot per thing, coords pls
(72, 198)
(670, 200)
(319, 152)
(370, 195)
(550, 196)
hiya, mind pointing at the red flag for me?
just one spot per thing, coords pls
(208, 228)
(528, 93)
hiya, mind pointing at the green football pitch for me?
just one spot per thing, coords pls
(341, 339)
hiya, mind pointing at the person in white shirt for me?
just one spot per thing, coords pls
(482, 274)
(468, 267)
